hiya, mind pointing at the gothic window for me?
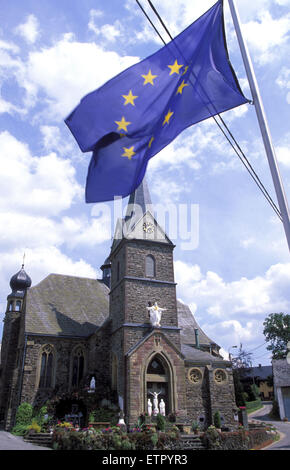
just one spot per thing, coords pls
(78, 366)
(150, 266)
(156, 367)
(46, 368)
(18, 306)
(10, 306)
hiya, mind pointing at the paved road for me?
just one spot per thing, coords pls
(283, 428)
(10, 442)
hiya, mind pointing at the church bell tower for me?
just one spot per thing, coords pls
(141, 274)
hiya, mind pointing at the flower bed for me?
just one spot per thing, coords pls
(112, 438)
(238, 440)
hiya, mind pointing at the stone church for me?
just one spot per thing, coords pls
(66, 330)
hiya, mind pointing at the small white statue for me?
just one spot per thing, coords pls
(162, 407)
(149, 406)
(93, 383)
(155, 313)
(155, 403)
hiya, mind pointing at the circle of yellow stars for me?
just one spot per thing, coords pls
(130, 98)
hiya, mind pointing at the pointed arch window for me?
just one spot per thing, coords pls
(78, 366)
(46, 368)
(150, 267)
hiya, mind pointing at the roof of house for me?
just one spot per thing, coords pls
(66, 306)
(261, 372)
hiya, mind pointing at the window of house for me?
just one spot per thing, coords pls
(150, 266)
(46, 368)
(77, 367)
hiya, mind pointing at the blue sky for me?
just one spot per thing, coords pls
(51, 55)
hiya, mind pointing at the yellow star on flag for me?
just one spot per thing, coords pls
(129, 99)
(167, 117)
(122, 125)
(128, 152)
(181, 86)
(174, 68)
(149, 78)
(150, 142)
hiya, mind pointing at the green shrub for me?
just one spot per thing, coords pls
(20, 429)
(160, 421)
(104, 415)
(217, 420)
(24, 414)
(275, 413)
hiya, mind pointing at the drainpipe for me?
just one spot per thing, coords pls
(196, 337)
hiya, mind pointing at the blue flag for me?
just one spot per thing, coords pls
(137, 113)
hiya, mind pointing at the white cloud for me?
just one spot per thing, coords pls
(283, 81)
(66, 72)
(247, 297)
(29, 30)
(44, 184)
(267, 35)
(283, 155)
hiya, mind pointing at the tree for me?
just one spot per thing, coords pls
(242, 360)
(277, 334)
(240, 363)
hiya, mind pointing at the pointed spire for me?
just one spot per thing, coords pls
(139, 201)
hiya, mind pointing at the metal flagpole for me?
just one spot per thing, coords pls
(280, 193)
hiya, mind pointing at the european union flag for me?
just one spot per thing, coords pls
(137, 113)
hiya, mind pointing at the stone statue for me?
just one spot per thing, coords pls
(155, 313)
(149, 406)
(93, 383)
(162, 407)
(155, 403)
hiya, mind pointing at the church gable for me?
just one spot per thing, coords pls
(146, 228)
(156, 365)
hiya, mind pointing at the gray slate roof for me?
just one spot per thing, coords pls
(261, 372)
(66, 306)
(196, 355)
(187, 323)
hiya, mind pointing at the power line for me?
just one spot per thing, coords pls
(242, 157)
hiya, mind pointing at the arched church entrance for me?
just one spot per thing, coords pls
(157, 380)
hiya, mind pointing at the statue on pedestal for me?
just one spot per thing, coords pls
(155, 313)
(149, 406)
(162, 407)
(93, 383)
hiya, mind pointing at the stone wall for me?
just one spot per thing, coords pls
(198, 395)
(222, 394)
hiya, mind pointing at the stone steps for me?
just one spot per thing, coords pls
(40, 439)
(191, 442)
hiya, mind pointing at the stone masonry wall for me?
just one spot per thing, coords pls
(223, 395)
